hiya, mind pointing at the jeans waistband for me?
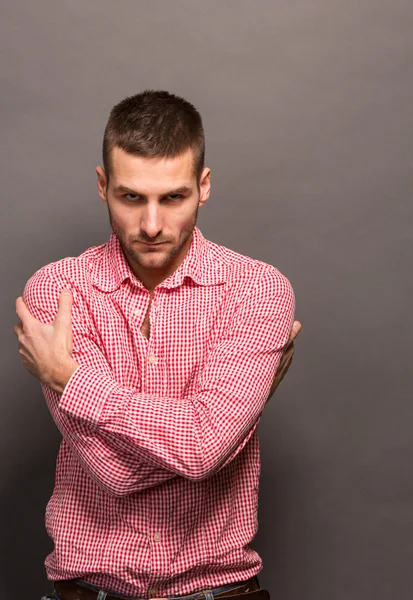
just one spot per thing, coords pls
(208, 594)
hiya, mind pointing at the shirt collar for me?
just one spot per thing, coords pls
(112, 269)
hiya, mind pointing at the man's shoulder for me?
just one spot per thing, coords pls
(72, 270)
(244, 272)
(42, 290)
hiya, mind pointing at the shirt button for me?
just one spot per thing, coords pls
(152, 359)
(138, 312)
(157, 537)
(153, 591)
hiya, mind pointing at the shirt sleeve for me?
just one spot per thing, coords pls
(119, 471)
(196, 436)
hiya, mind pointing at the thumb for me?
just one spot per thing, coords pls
(64, 313)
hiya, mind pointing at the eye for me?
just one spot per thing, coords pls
(131, 197)
(175, 197)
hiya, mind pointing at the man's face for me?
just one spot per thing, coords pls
(153, 205)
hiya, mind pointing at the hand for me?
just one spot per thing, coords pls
(46, 349)
(286, 358)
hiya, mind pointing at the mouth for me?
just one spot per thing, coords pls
(152, 244)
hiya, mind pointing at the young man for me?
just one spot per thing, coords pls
(157, 352)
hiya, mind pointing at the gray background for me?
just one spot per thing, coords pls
(307, 107)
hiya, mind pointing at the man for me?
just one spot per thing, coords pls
(157, 352)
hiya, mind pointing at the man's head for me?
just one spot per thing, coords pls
(154, 124)
(154, 180)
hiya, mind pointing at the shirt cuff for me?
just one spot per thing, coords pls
(86, 394)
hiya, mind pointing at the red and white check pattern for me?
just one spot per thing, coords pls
(157, 475)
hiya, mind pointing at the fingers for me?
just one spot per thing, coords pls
(286, 358)
(23, 312)
(289, 348)
(64, 313)
(288, 352)
(295, 330)
(283, 371)
(18, 329)
(287, 365)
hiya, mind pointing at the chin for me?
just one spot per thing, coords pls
(152, 262)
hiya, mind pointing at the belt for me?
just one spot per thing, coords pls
(74, 590)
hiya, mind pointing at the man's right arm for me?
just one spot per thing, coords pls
(118, 471)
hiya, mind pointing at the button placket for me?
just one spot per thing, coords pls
(154, 316)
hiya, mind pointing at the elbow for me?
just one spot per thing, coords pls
(195, 477)
(115, 489)
(217, 458)
(204, 471)
(199, 476)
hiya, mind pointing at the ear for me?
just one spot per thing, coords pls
(204, 186)
(102, 184)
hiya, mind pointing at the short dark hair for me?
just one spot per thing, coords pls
(155, 123)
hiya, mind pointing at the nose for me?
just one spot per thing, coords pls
(151, 222)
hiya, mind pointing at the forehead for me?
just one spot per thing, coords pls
(151, 174)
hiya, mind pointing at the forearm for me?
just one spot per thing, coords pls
(191, 437)
(111, 466)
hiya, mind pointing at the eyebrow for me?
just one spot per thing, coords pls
(126, 190)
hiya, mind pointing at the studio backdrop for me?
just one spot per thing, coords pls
(307, 108)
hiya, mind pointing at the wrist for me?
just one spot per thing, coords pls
(61, 376)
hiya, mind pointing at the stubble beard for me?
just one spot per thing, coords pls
(148, 262)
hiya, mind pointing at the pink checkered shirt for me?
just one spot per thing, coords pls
(157, 475)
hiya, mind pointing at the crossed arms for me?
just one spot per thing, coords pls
(129, 441)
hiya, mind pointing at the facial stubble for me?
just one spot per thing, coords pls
(135, 256)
